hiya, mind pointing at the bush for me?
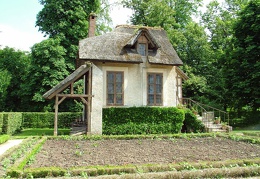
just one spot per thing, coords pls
(46, 120)
(142, 120)
(12, 122)
(191, 123)
(1, 122)
(4, 138)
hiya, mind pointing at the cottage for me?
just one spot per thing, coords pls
(130, 66)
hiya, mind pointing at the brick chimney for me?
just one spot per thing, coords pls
(92, 25)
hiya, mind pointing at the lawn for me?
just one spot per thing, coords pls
(41, 132)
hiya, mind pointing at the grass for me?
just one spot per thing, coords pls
(41, 132)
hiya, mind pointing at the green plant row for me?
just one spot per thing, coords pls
(4, 138)
(31, 155)
(247, 166)
(15, 154)
(149, 120)
(129, 137)
(17, 167)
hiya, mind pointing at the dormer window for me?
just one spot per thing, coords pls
(141, 49)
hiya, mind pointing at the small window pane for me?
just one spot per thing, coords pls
(119, 87)
(110, 99)
(110, 88)
(119, 99)
(119, 77)
(151, 89)
(142, 49)
(158, 99)
(151, 99)
(110, 77)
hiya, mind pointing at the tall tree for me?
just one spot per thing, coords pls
(68, 21)
(244, 68)
(14, 66)
(164, 13)
(48, 68)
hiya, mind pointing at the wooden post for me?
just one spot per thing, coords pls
(89, 99)
(56, 116)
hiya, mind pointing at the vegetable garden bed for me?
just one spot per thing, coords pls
(100, 155)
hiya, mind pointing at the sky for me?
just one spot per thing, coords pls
(18, 17)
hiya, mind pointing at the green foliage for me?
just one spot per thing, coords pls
(1, 122)
(47, 70)
(12, 123)
(67, 21)
(14, 66)
(191, 123)
(4, 138)
(45, 120)
(166, 13)
(142, 120)
(244, 67)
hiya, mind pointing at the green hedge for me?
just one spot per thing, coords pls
(46, 120)
(1, 122)
(191, 123)
(12, 122)
(142, 120)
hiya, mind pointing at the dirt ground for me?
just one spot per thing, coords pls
(62, 153)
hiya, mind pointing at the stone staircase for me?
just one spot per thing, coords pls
(208, 116)
(208, 120)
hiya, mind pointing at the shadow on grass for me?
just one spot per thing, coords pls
(41, 132)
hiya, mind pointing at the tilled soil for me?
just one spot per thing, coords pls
(63, 153)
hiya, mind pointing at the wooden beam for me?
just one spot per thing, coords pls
(74, 95)
(56, 116)
(62, 99)
(71, 88)
(84, 100)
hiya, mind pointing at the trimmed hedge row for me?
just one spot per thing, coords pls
(45, 120)
(12, 122)
(142, 120)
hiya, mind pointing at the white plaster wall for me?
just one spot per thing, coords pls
(97, 100)
(135, 83)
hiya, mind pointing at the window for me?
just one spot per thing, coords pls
(142, 49)
(155, 88)
(115, 83)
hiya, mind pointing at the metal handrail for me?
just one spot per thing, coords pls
(203, 106)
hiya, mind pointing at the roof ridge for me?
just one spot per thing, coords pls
(139, 27)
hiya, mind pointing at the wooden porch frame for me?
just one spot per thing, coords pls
(68, 83)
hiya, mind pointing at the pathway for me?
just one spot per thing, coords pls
(9, 144)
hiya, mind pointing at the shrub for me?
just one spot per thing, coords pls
(4, 138)
(12, 122)
(1, 122)
(46, 120)
(142, 120)
(191, 123)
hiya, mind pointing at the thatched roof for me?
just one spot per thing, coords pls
(64, 84)
(119, 46)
